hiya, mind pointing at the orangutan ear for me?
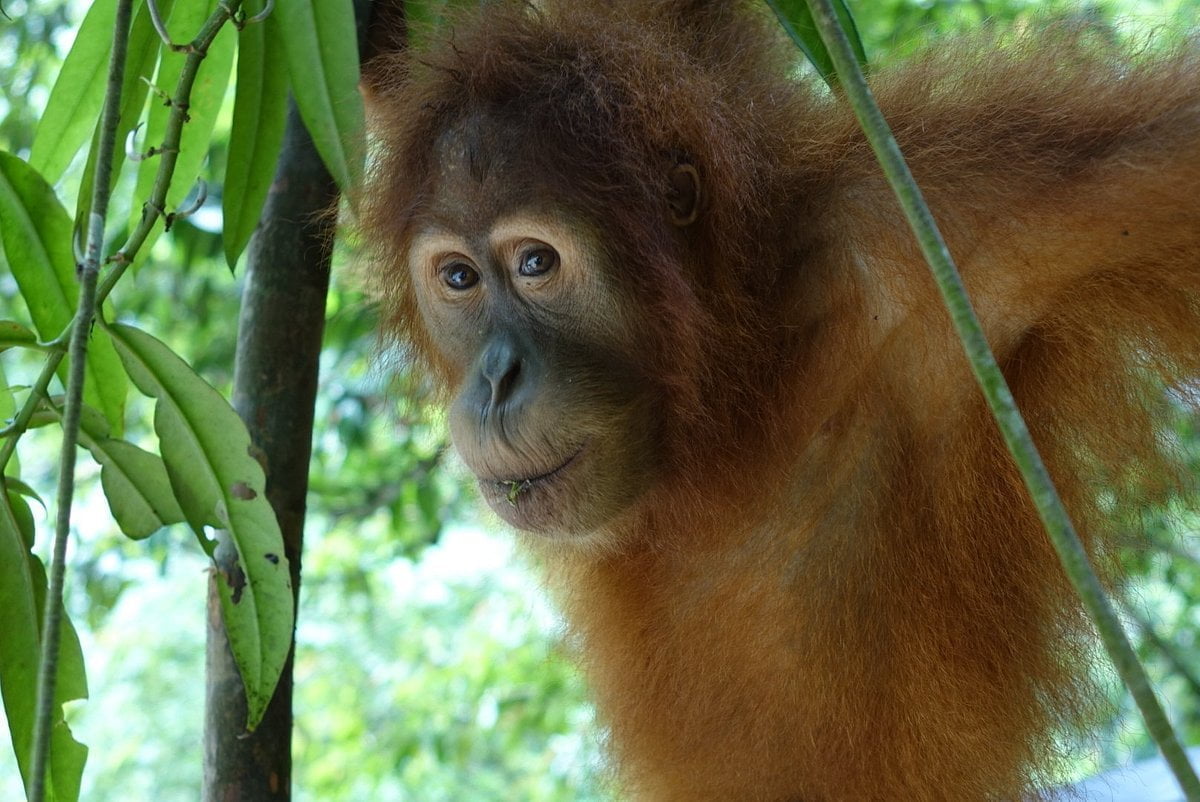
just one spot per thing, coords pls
(683, 198)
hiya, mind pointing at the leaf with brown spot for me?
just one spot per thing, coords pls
(205, 447)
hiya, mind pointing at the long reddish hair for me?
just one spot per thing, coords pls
(840, 589)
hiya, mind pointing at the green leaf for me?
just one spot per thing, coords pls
(14, 335)
(8, 411)
(258, 118)
(89, 417)
(67, 756)
(208, 93)
(78, 94)
(135, 482)
(19, 620)
(35, 245)
(22, 515)
(144, 46)
(208, 456)
(797, 21)
(322, 58)
(22, 599)
(15, 485)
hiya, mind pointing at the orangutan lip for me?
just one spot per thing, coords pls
(531, 480)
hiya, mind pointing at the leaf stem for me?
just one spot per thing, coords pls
(92, 294)
(81, 329)
(1067, 544)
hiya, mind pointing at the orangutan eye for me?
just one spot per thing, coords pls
(460, 276)
(537, 261)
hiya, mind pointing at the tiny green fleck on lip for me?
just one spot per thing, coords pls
(515, 488)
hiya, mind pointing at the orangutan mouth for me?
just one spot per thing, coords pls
(511, 489)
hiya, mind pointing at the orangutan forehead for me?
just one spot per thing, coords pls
(472, 146)
(484, 142)
(482, 171)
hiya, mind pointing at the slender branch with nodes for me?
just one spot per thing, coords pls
(80, 329)
(93, 292)
(154, 207)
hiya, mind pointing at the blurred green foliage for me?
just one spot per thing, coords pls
(892, 29)
(429, 666)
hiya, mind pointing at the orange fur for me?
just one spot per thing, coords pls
(838, 589)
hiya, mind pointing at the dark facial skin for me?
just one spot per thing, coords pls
(551, 410)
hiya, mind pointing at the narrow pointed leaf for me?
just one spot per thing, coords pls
(797, 21)
(67, 756)
(134, 481)
(20, 646)
(144, 47)
(22, 596)
(322, 59)
(8, 411)
(78, 93)
(15, 485)
(208, 458)
(35, 246)
(89, 417)
(258, 117)
(14, 335)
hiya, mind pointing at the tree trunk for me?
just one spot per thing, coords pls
(275, 386)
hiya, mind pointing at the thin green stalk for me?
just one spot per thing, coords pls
(92, 293)
(999, 398)
(82, 326)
